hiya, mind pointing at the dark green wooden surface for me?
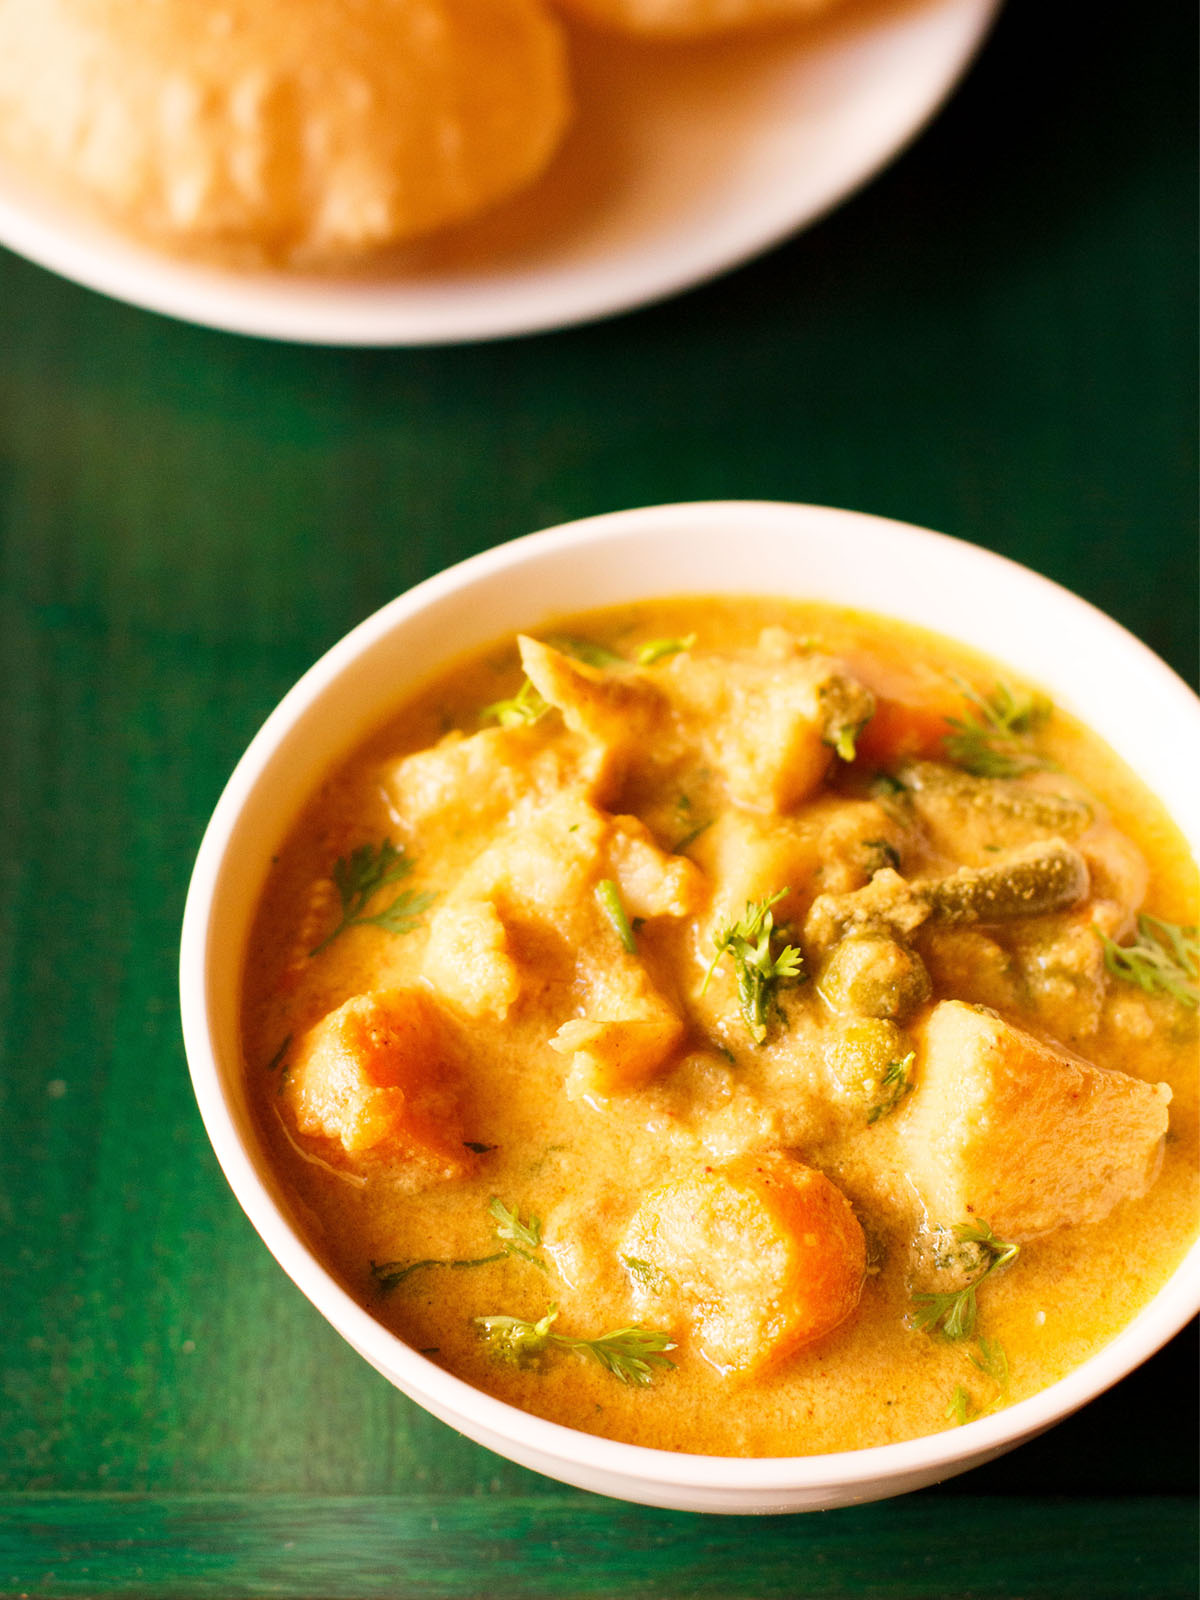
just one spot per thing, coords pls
(553, 1547)
(996, 339)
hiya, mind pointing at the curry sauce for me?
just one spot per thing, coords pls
(735, 1026)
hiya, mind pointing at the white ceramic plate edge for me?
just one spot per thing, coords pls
(501, 304)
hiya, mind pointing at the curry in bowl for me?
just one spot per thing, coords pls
(740, 1027)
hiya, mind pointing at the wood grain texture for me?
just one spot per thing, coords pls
(995, 339)
(583, 1548)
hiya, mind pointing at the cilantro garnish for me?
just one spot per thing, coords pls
(360, 876)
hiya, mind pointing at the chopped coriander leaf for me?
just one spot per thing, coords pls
(897, 1081)
(404, 913)
(988, 1355)
(995, 741)
(525, 707)
(360, 876)
(980, 1233)
(518, 1238)
(277, 1059)
(846, 708)
(610, 903)
(390, 1275)
(479, 1149)
(877, 854)
(955, 1313)
(631, 1354)
(515, 1238)
(650, 1277)
(760, 972)
(961, 1406)
(989, 1358)
(659, 649)
(516, 1341)
(585, 650)
(1163, 959)
(690, 838)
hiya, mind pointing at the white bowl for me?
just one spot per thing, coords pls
(1095, 669)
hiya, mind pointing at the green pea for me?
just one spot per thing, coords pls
(870, 975)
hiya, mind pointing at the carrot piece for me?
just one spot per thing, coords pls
(912, 711)
(372, 1077)
(756, 1258)
(906, 730)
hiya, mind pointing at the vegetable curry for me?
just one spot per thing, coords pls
(746, 1027)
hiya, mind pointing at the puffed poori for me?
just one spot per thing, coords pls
(295, 130)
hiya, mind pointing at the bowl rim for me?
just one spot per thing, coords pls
(453, 1398)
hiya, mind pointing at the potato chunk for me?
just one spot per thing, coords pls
(769, 727)
(651, 882)
(768, 724)
(471, 782)
(756, 1258)
(540, 877)
(629, 1033)
(1118, 871)
(832, 843)
(468, 961)
(372, 1076)
(621, 716)
(1022, 1134)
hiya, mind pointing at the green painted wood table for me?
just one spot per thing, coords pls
(996, 339)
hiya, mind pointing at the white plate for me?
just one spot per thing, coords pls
(685, 160)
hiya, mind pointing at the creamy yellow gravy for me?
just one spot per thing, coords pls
(582, 1165)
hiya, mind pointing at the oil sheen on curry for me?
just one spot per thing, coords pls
(742, 1027)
